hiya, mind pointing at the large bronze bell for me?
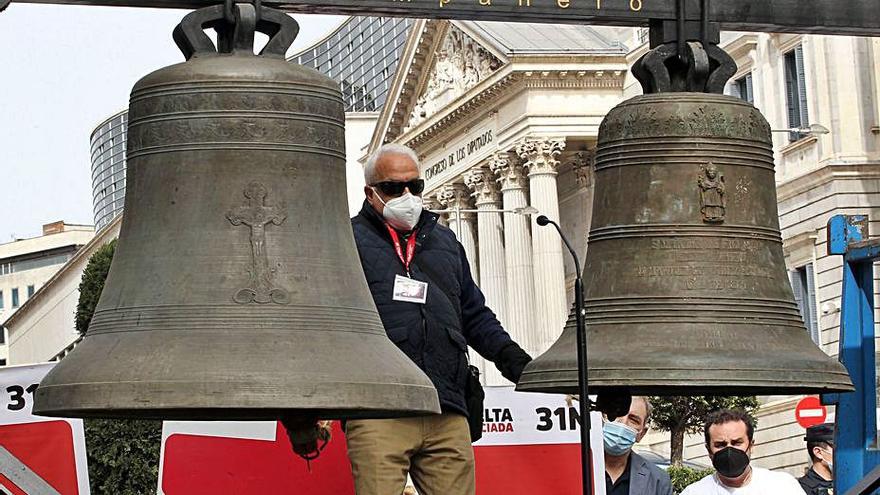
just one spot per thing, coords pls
(685, 284)
(236, 292)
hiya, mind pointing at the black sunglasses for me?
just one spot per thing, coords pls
(394, 188)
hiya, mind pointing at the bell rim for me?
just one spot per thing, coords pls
(84, 401)
(807, 382)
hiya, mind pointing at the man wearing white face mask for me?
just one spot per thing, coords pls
(627, 473)
(432, 310)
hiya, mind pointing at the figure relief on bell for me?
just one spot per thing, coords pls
(712, 202)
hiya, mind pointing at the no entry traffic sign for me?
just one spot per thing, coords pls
(810, 412)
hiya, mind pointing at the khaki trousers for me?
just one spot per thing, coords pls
(435, 450)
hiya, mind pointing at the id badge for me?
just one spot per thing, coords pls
(409, 290)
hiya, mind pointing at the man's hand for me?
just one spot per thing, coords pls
(308, 437)
(511, 361)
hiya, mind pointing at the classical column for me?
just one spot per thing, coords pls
(490, 237)
(580, 207)
(456, 196)
(539, 158)
(520, 315)
(429, 202)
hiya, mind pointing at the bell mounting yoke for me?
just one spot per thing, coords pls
(235, 24)
(685, 56)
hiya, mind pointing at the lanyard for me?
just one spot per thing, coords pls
(410, 247)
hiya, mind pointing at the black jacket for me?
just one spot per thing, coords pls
(434, 335)
(813, 484)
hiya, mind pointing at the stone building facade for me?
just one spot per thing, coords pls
(505, 117)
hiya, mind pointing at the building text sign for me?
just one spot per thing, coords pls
(459, 155)
(856, 17)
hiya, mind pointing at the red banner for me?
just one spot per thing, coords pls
(37, 454)
(531, 444)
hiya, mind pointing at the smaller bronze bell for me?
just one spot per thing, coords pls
(685, 284)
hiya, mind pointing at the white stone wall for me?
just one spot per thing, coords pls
(45, 327)
(73, 235)
(779, 441)
(805, 206)
(49, 327)
(20, 280)
(358, 131)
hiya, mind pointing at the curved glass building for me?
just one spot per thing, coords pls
(108, 168)
(361, 54)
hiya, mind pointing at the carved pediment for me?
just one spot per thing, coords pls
(460, 63)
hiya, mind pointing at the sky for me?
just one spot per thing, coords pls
(63, 70)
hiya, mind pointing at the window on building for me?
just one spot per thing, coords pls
(796, 92)
(15, 297)
(742, 88)
(30, 291)
(30, 264)
(2, 335)
(2, 362)
(804, 285)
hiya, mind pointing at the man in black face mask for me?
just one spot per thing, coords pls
(729, 440)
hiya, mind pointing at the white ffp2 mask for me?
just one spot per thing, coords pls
(402, 212)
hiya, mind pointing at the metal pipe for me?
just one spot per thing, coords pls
(704, 22)
(680, 14)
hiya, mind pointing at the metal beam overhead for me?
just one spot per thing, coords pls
(842, 17)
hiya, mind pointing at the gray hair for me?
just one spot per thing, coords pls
(648, 408)
(386, 149)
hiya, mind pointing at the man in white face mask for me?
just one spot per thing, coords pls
(432, 310)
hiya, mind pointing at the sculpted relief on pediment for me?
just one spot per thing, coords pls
(460, 64)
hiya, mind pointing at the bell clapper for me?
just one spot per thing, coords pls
(308, 435)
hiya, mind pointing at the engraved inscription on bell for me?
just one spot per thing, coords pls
(257, 215)
(713, 263)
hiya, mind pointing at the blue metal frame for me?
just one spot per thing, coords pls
(855, 449)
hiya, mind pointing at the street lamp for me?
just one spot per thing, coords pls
(810, 130)
(522, 210)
